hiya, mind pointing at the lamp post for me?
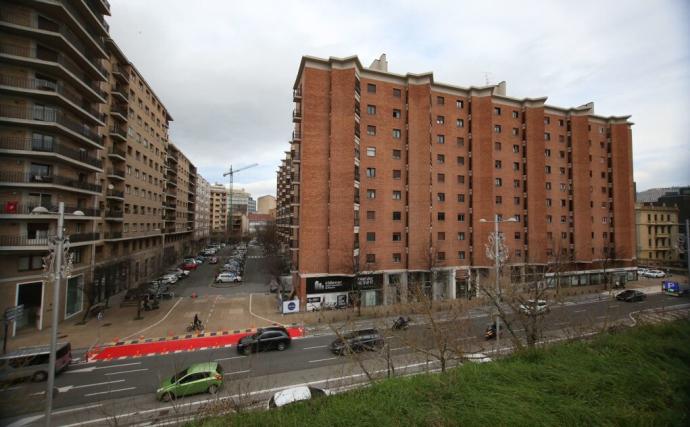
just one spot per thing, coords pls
(56, 268)
(499, 255)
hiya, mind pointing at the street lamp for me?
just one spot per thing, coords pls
(498, 257)
(57, 246)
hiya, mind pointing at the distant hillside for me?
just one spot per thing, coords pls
(653, 194)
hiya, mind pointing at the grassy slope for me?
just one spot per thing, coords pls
(637, 377)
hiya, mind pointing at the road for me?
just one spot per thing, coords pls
(88, 391)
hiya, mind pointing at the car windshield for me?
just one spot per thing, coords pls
(178, 376)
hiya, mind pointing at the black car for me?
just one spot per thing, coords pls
(356, 341)
(272, 338)
(631, 296)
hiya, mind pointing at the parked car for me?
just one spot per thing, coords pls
(213, 260)
(295, 394)
(189, 265)
(476, 357)
(537, 307)
(631, 295)
(198, 378)
(168, 279)
(356, 341)
(228, 278)
(656, 274)
(180, 273)
(271, 338)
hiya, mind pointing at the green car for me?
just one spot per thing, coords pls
(198, 378)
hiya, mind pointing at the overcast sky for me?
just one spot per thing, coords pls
(225, 69)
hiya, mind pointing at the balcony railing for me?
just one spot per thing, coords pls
(98, 14)
(119, 130)
(115, 193)
(12, 208)
(112, 235)
(117, 172)
(296, 135)
(42, 239)
(48, 86)
(297, 114)
(119, 90)
(32, 178)
(52, 56)
(118, 110)
(121, 73)
(29, 144)
(297, 93)
(114, 213)
(50, 115)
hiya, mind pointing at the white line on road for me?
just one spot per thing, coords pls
(109, 391)
(155, 324)
(316, 346)
(28, 420)
(399, 348)
(322, 360)
(236, 372)
(579, 311)
(93, 368)
(72, 387)
(127, 372)
(602, 317)
(230, 358)
(256, 315)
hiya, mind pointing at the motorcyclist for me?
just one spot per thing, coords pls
(197, 322)
(401, 322)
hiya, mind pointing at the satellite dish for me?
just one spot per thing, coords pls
(110, 186)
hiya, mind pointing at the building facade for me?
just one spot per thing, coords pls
(219, 208)
(257, 222)
(658, 242)
(80, 125)
(202, 227)
(266, 205)
(428, 161)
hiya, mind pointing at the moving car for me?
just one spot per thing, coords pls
(537, 307)
(295, 394)
(356, 341)
(32, 363)
(631, 295)
(271, 338)
(189, 265)
(228, 277)
(198, 378)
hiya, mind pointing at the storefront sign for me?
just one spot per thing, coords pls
(330, 284)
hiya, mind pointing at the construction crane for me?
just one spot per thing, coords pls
(231, 177)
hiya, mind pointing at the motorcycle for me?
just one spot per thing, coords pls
(490, 332)
(195, 327)
(401, 323)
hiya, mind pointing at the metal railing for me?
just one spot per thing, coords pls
(48, 86)
(114, 213)
(118, 110)
(119, 130)
(297, 93)
(29, 144)
(122, 91)
(296, 135)
(115, 193)
(42, 239)
(116, 172)
(12, 208)
(50, 115)
(297, 113)
(32, 178)
(117, 152)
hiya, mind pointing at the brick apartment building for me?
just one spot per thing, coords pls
(389, 175)
(80, 125)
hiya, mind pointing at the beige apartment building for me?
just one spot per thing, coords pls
(658, 239)
(202, 215)
(80, 125)
(266, 205)
(219, 208)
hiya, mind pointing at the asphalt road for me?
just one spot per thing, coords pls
(86, 385)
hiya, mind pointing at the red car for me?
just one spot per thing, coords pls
(189, 266)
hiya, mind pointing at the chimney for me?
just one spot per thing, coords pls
(380, 64)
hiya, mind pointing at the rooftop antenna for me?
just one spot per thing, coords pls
(487, 80)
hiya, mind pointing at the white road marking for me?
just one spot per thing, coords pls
(127, 372)
(109, 391)
(399, 348)
(93, 368)
(73, 387)
(579, 311)
(316, 346)
(158, 322)
(236, 372)
(322, 360)
(230, 358)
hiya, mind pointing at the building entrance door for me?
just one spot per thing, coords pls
(31, 296)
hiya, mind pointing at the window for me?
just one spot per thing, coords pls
(547, 136)
(371, 258)
(371, 130)
(371, 236)
(461, 235)
(516, 148)
(497, 111)
(460, 142)
(440, 158)
(371, 88)
(516, 166)
(371, 215)
(515, 114)
(397, 237)
(461, 160)
(461, 179)
(561, 154)
(499, 200)
(561, 138)
(441, 216)
(548, 203)
(516, 200)
(516, 183)
(517, 235)
(460, 123)
(461, 198)
(32, 262)
(396, 257)
(461, 255)
(497, 146)
(440, 177)
(440, 120)
(397, 195)
(371, 110)
(497, 128)
(441, 256)
(396, 173)
(441, 197)
(397, 154)
(564, 235)
(397, 93)
(547, 152)
(396, 114)
(371, 172)
(459, 104)
(461, 217)
(562, 171)
(547, 169)
(396, 133)
(498, 164)
(371, 151)
(440, 100)
(562, 203)
(548, 185)
(371, 194)
(563, 219)
(397, 215)
(498, 182)
(515, 131)
(441, 139)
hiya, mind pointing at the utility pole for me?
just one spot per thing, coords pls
(231, 177)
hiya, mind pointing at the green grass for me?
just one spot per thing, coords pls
(636, 377)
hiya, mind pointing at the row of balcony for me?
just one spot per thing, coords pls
(59, 88)
(55, 57)
(57, 29)
(50, 115)
(116, 152)
(118, 173)
(41, 179)
(42, 239)
(10, 208)
(118, 112)
(42, 146)
(117, 194)
(68, 5)
(121, 73)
